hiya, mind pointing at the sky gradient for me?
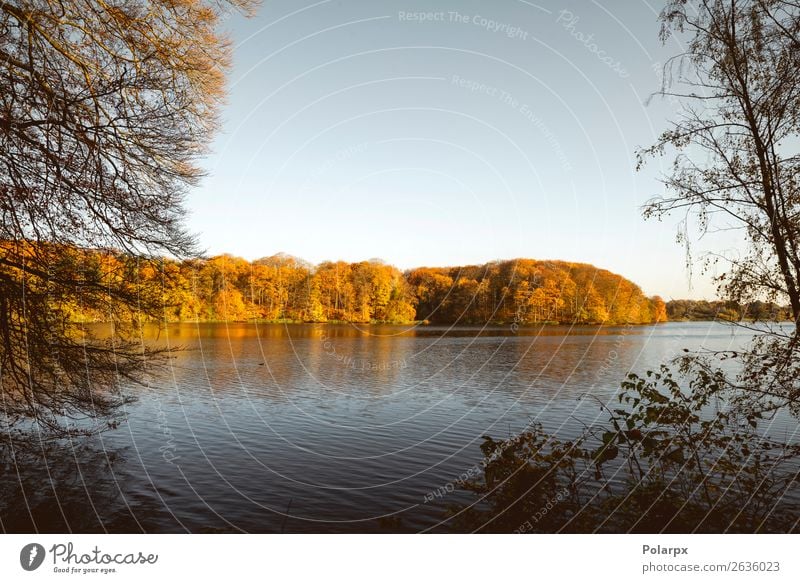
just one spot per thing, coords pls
(445, 133)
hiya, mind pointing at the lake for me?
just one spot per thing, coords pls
(337, 428)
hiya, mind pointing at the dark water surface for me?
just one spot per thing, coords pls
(336, 428)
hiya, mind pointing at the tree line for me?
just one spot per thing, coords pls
(282, 288)
(729, 310)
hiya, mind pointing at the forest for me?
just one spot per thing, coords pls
(282, 288)
(730, 310)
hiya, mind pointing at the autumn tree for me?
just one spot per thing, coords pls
(432, 289)
(105, 109)
(736, 167)
(735, 138)
(279, 287)
(659, 309)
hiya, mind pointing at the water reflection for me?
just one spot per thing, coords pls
(337, 428)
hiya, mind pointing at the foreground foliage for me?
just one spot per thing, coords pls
(672, 457)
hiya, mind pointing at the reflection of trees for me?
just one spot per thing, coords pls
(275, 360)
(575, 365)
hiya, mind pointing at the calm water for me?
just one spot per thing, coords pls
(313, 428)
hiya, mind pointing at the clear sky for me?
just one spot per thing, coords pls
(444, 133)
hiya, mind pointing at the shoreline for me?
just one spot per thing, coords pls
(548, 324)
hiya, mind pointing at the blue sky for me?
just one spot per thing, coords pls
(444, 133)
